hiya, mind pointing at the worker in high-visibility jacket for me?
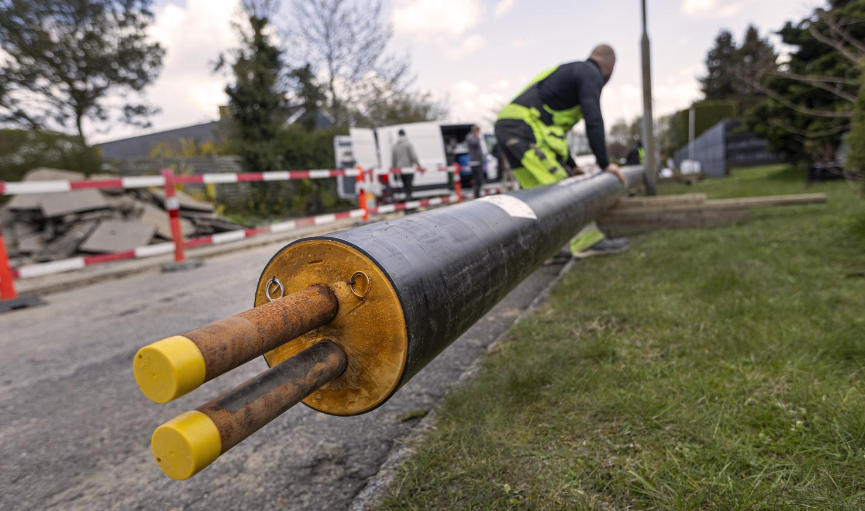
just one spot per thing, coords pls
(532, 132)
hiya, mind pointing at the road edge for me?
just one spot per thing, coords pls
(375, 489)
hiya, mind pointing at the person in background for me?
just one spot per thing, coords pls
(637, 155)
(404, 156)
(476, 159)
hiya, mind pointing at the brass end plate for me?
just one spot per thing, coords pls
(370, 325)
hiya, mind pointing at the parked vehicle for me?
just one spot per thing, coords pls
(437, 145)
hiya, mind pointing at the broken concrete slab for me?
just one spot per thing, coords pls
(34, 201)
(159, 219)
(60, 204)
(31, 244)
(67, 244)
(186, 202)
(117, 236)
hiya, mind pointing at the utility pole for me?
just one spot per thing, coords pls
(648, 119)
(692, 129)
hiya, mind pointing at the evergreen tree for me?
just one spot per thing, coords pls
(719, 82)
(257, 97)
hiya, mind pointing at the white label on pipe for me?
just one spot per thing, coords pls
(318, 174)
(412, 204)
(386, 209)
(37, 270)
(435, 202)
(172, 203)
(512, 206)
(357, 213)
(352, 172)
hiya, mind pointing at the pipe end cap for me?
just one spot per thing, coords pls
(168, 369)
(186, 444)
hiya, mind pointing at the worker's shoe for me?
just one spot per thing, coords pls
(605, 247)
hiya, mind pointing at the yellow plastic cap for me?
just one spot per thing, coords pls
(168, 369)
(185, 445)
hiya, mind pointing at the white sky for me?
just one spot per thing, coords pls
(479, 53)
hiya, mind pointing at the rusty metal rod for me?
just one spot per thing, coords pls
(188, 443)
(170, 368)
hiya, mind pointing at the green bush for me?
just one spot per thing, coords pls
(23, 150)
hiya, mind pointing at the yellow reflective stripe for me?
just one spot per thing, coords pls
(514, 112)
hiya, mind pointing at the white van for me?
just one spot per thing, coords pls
(436, 144)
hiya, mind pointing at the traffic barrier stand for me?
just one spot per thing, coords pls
(458, 185)
(172, 205)
(9, 299)
(361, 193)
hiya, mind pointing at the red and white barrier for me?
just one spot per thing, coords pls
(59, 186)
(77, 263)
(178, 245)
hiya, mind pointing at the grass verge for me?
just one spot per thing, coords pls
(705, 369)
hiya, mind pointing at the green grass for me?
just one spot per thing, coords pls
(705, 369)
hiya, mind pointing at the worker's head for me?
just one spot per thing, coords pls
(605, 57)
(476, 130)
(401, 133)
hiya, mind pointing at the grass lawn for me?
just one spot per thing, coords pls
(705, 369)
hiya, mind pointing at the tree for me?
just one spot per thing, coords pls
(726, 61)
(810, 99)
(258, 96)
(308, 94)
(347, 42)
(388, 107)
(75, 61)
(718, 82)
(24, 150)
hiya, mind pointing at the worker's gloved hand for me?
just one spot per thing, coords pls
(614, 169)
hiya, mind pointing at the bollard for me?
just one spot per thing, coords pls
(9, 299)
(172, 205)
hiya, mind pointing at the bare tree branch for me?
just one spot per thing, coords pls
(758, 85)
(810, 133)
(816, 79)
(819, 83)
(837, 45)
(835, 28)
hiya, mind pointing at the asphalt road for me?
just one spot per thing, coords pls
(75, 430)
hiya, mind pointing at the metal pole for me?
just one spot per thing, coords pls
(648, 119)
(692, 129)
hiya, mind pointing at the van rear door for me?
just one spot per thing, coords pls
(426, 137)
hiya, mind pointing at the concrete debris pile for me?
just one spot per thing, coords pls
(51, 226)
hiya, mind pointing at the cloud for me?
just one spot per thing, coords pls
(713, 9)
(187, 91)
(431, 17)
(470, 102)
(467, 46)
(504, 7)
